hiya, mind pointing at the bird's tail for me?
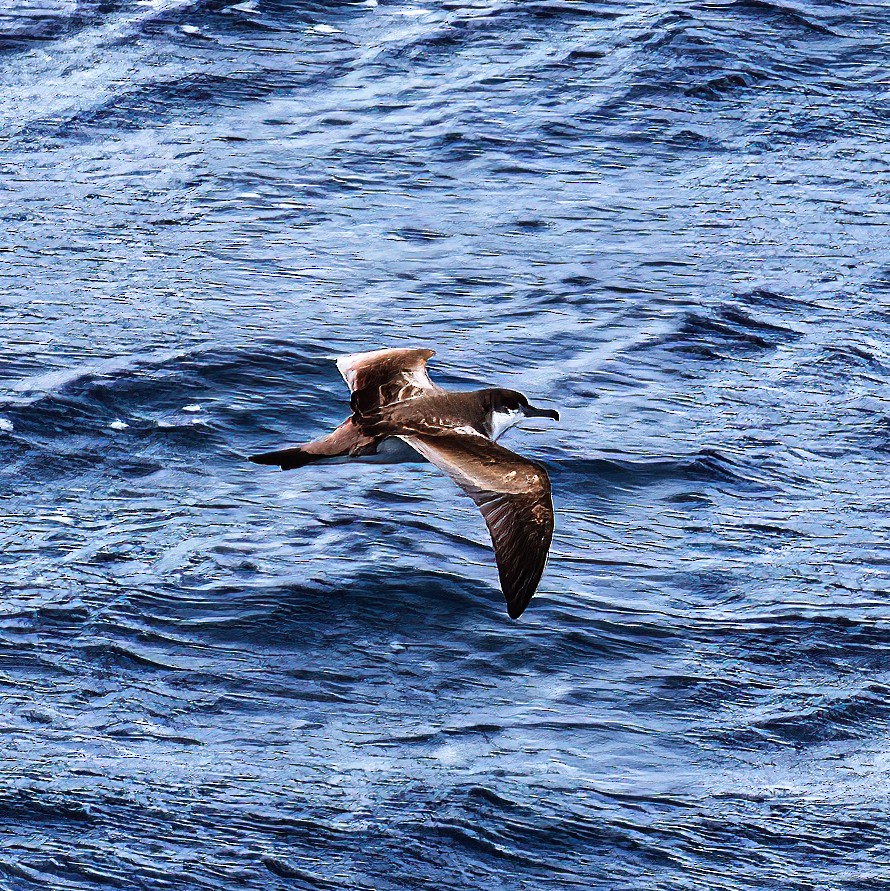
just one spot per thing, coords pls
(347, 439)
(286, 459)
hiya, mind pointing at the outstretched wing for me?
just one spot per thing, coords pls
(382, 377)
(514, 497)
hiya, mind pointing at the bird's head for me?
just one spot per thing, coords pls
(509, 407)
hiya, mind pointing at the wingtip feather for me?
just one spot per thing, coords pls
(514, 611)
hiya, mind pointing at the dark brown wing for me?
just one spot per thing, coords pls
(385, 376)
(514, 497)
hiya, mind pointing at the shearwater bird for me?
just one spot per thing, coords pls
(399, 414)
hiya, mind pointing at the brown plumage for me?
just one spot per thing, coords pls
(395, 403)
(514, 497)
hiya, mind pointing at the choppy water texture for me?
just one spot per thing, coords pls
(669, 220)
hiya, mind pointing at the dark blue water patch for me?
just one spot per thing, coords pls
(367, 602)
(182, 400)
(724, 86)
(559, 9)
(796, 306)
(817, 642)
(827, 718)
(782, 14)
(728, 331)
(874, 432)
(770, 531)
(28, 808)
(420, 235)
(157, 104)
(30, 23)
(687, 694)
(710, 466)
(845, 359)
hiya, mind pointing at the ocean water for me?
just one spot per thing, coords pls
(666, 219)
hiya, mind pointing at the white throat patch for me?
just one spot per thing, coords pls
(502, 421)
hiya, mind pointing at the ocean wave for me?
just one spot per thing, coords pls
(709, 466)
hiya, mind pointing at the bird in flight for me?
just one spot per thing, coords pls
(399, 415)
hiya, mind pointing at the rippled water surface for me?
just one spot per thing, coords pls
(669, 220)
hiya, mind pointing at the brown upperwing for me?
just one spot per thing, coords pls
(377, 378)
(382, 377)
(514, 497)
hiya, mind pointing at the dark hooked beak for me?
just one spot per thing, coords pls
(531, 412)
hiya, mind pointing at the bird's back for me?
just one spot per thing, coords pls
(430, 413)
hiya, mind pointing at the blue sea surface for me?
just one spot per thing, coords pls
(669, 220)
